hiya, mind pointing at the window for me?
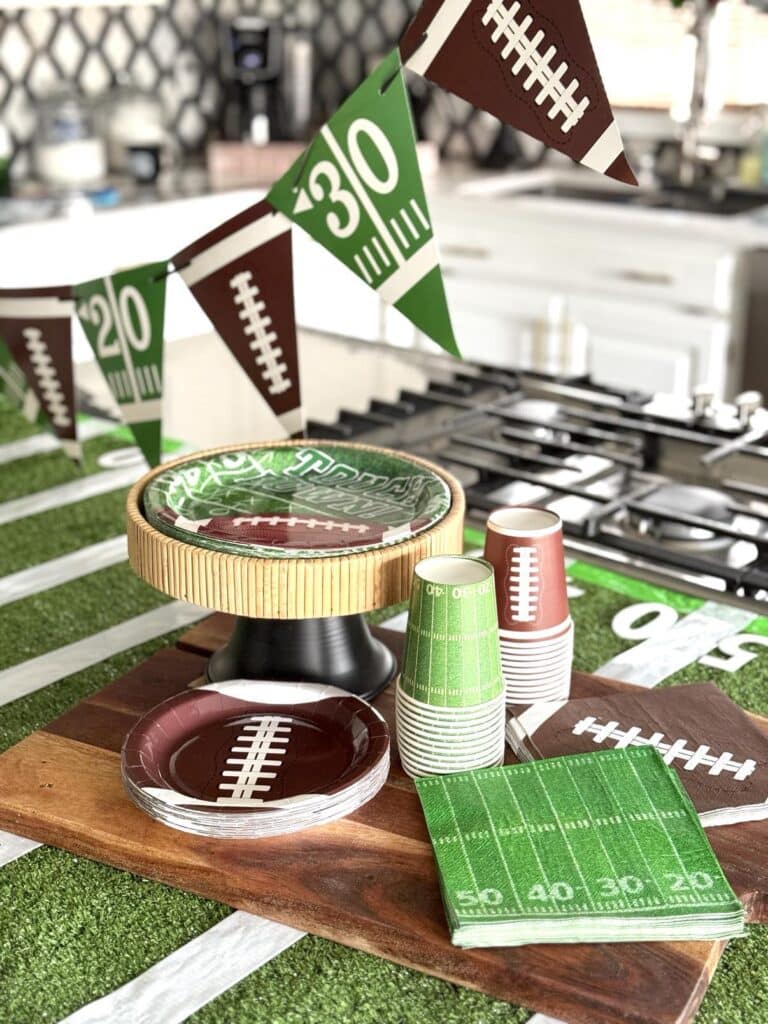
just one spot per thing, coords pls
(645, 58)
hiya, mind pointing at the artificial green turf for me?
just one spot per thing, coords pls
(739, 990)
(50, 469)
(13, 426)
(57, 532)
(67, 613)
(72, 930)
(91, 929)
(590, 613)
(319, 982)
(637, 590)
(21, 717)
(596, 644)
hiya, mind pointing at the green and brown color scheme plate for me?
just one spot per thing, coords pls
(292, 501)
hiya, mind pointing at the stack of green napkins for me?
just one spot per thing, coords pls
(599, 847)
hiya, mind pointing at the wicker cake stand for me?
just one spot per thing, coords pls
(299, 618)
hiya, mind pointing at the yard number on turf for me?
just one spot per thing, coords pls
(649, 619)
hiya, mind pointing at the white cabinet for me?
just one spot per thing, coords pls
(657, 297)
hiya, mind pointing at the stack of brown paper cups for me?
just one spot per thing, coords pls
(525, 547)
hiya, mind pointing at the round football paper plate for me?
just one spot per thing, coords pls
(296, 501)
(253, 758)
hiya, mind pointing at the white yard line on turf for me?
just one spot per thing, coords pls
(29, 676)
(60, 570)
(12, 847)
(68, 494)
(183, 982)
(653, 660)
(40, 444)
(77, 490)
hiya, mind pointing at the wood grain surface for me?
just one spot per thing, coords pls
(368, 881)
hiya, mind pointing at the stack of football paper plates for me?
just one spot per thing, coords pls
(599, 847)
(252, 759)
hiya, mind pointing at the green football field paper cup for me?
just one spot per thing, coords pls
(451, 656)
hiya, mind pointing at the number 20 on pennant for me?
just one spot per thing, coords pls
(123, 318)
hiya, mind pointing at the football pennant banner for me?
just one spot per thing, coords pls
(123, 317)
(357, 190)
(36, 325)
(241, 273)
(528, 62)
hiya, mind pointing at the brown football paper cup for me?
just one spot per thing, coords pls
(525, 546)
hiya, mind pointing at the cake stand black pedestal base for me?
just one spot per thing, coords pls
(339, 650)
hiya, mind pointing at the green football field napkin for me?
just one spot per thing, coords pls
(599, 847)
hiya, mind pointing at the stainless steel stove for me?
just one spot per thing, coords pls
(678, 491)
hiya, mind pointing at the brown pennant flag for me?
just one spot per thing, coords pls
(241, 274)
(36, 325)
(528, 62)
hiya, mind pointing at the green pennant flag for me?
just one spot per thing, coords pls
(357, 190)
(123, 317)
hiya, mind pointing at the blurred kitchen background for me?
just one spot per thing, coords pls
(150, 123)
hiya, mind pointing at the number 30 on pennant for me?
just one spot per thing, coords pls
(324, 182)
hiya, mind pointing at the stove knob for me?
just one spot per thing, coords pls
(747, 403)
(703, 397)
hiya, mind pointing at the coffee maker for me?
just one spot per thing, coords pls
(267, 71)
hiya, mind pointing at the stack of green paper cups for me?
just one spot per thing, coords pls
(450, 695)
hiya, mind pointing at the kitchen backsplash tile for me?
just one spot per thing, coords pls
(173, 51)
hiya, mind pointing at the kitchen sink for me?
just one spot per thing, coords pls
(578, 184)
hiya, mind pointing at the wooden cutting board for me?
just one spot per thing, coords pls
(368, 881)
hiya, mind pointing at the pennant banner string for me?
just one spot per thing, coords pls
(416, 48)
(356, 189)
(303, 164)
(169, 272)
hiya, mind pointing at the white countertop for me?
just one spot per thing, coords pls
(90, 244)
(506, 191)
